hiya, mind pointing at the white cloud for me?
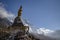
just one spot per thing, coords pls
(44, 31)
(55, 34)
(48, 32)
(5, 14)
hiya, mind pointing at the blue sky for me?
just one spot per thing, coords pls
(40, 13)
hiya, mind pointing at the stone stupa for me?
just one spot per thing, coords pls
(18, 21)
(18, 24)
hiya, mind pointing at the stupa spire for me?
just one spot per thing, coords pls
(20, 11)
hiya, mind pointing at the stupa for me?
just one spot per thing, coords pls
(18, 24)
(17, 21)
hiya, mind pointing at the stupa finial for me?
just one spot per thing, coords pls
(20, 11)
